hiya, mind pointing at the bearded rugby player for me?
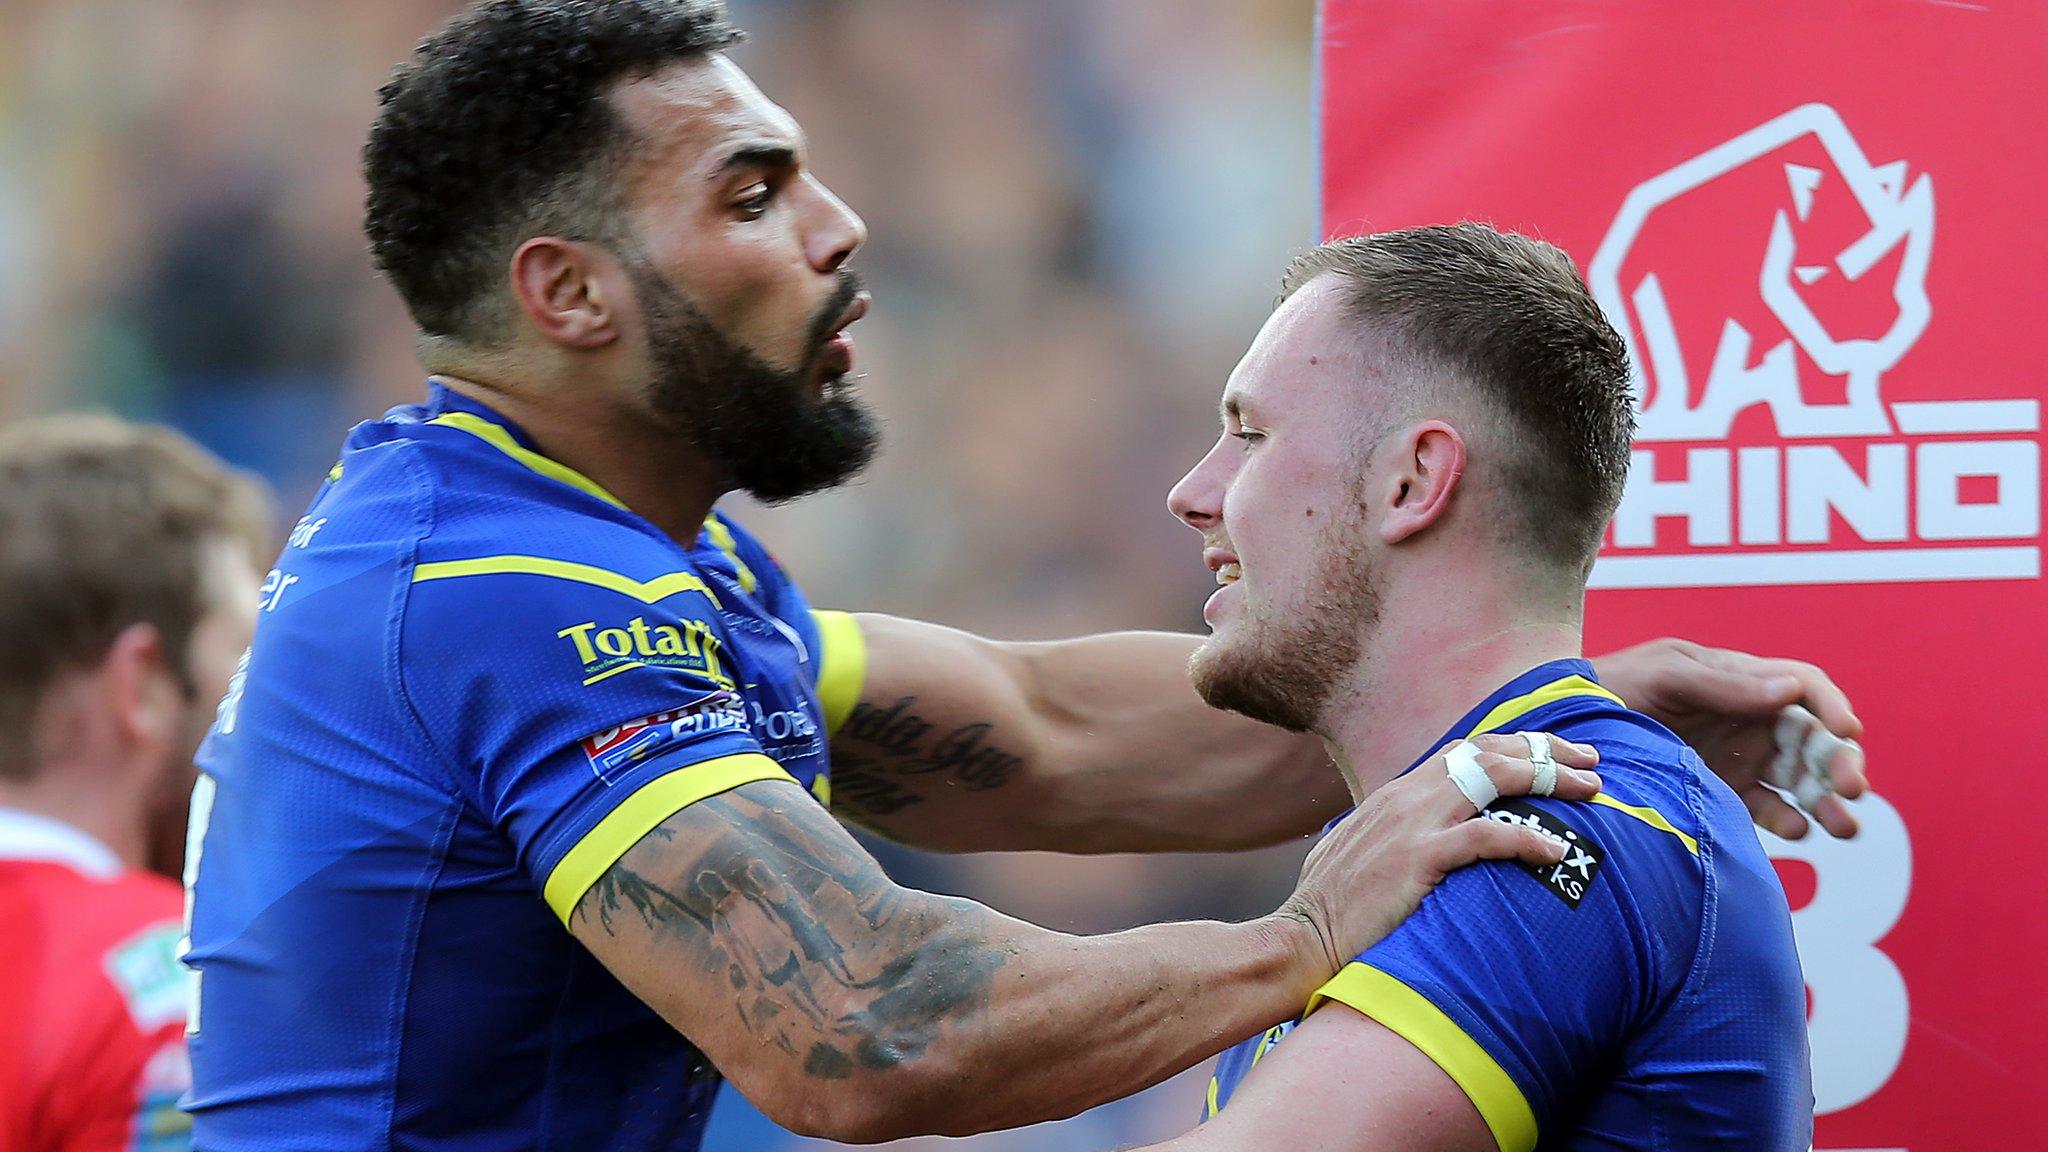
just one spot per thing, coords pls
(518, 829)
(1421, 452)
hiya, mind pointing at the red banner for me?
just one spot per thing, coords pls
(1817, 226)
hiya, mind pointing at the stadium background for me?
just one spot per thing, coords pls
(1079, 211)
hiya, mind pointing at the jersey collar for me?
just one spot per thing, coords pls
(449, 408)
(441, 400)
(31, 836)
(1540, 686)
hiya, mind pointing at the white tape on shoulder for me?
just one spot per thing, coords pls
(1792, 726)
(1819, 752)
(1462, 762)
(1818, 781)
(1810, 791)
(1790, 736)
(1806, 751)
(1545, 783)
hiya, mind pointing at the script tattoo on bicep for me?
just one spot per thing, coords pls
(885, 758)
(823, 955)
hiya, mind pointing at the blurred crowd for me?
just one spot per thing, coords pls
(1079, 211)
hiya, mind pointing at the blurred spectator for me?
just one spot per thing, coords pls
(128, 561)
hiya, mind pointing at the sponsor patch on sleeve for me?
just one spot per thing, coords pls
(145, 970)
(616, 751)
(1568, 879)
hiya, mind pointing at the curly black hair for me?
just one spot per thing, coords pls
(498, 129)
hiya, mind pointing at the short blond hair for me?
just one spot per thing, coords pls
(1513, 318)
(105, 524)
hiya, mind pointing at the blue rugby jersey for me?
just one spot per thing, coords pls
(1643, 994)
(477, 679)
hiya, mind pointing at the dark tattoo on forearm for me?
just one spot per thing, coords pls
(825, 956)
(886, 758)
(861, 784)
(894, 731)
(964, 756)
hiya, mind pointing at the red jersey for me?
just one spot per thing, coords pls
(92, 998)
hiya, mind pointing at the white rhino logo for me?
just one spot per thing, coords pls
(1656, 240)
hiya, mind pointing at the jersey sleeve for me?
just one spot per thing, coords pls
(122, 1065)
(578, 707)
(129, 1102)
(123, 1097)
(837, 656)
(1522, 983)
(840, 660)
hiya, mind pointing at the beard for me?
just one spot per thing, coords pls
(1285, 669)
(169, 805)
(768, 430)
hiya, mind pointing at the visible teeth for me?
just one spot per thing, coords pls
(1228, 574)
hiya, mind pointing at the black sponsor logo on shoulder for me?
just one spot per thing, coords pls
(1568, 879)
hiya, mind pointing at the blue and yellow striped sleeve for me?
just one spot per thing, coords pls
(590, 853)
(1502, 1103)
(1523, 984)
(841, 662)
(589, 705)
(836, 653)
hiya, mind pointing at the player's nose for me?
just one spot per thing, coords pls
(1197, 500)
(836, 231)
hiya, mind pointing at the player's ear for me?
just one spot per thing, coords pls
(1428, 461)
(566, 289)
(144, 694)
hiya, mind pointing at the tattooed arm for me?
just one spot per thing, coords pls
(1101, 745)
(847, 1006)
(1093, 745)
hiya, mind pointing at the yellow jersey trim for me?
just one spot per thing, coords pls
(1516, 708)
(721, 536)
(1650, 816)
(1510, 710)
(1267, 1040)
(1414, 1018)
(643, 811)
(498, 437)
(646, 591)
(842, 666)
(1410, 1015)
